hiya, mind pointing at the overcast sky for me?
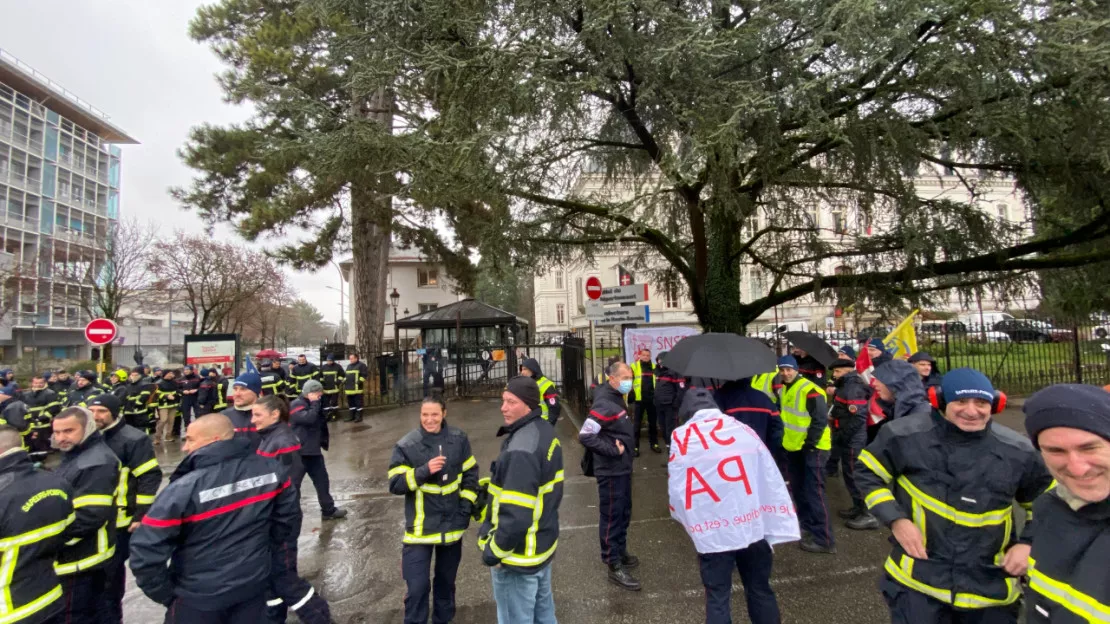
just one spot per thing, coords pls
(133, 60)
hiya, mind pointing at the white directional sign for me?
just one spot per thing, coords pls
(622, 315)
(633, 293)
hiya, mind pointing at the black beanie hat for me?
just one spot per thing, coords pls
(1068, 405)
(696, 399)
(107, 400)
(525, 389)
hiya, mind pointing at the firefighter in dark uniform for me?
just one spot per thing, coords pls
(35, 511)
(139, 479)
(245, 392)
(549, 394)
(810, 368)
(61, 385)
(212, 558)
(670, 387)
(301, 372)
(807, 440)
(136, 404)
(42, 405)
(306, 417)
(608, 435)
(434, 469)
(84, 387)
(520, 531)
(848, 421)
(354, 386)
(945, 484)
(93, 471)
(273, 379)
(190, 387)
(330, 375)
(752, 401)
(206, 391)
(13, 411)
(1069, 579)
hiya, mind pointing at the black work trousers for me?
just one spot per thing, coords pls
(329, 404)
(614, 502)
(668, 416)
(317, 470)
(807, 484)
(354, 406)
(754, 564)
(251, 611)
(910, 607)
(190, 410)
(646, 406)
(83, 598)
(115, 581)
(416, 568)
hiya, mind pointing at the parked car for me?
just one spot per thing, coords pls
(768, 331)
(1027, 330)
(933, 332)
(984, 320)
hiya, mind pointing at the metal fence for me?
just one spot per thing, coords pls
(1019, 355)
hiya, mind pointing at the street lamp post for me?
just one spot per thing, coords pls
(394, 299)
(342, 292)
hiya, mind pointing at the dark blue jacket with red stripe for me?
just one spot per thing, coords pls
(848, 414)
(241, 420)
(224, 524)
(670, 387)
(753, 408)
(608, 422)
(279, 442)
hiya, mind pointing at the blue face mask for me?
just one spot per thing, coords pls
(626, 386)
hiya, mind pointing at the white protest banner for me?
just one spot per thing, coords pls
(658, 339)
(725, 488)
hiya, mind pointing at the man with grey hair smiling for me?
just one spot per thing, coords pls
(35, 509)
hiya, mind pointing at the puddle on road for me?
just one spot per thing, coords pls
(356, 428)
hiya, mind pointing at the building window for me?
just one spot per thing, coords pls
(426, 307)
(579, 294)
(427, 277)
(1003, 212)
(755, 284)
(560, 314)
(559, 280)
(671, 290)
(839, 220)
(814, 216)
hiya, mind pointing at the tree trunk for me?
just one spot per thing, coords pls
(719, 309)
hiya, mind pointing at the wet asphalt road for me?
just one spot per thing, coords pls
(355, 563)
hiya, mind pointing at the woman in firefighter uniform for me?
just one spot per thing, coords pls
(433, 468)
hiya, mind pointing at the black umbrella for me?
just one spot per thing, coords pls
(814, 345)
(720, 356)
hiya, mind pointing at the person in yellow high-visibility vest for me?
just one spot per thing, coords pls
(549, 395)
(643, 398)
(807, 440)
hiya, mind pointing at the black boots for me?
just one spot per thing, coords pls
(809, 545)
(620, 577)
(863, 522)
(629, 561)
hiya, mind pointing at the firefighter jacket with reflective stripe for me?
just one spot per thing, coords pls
(607, 422)
(549, 400)
(273, 382)
(167, 394)
(207, 393)
(301, 373)
(311, 426)
(354, 381)
(61, 388)
(139, 476)
(241, 421)
(136, 406)
(215, 534)
(437, 506)
(14, 413)
(42, 405)
(643, 381)
(78, 396)
(670, 387)
(279, 442)
(958, 487)
(848, 413)
(92, 470)
(805, 417)
(812, 370)
(35, 509)
(223, 389)
(521, 529)
(330, 374)
(1069, 567)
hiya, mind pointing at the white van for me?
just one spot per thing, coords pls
(770, 330)
(986, 320)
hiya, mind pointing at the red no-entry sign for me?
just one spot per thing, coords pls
(593, 287)
(101, 331)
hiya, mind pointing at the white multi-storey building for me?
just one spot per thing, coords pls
(560, 292)
(59, 195)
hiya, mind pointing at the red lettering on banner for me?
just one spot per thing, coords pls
(713, 434)
(685, 443)
(742, 476)
(704, 488)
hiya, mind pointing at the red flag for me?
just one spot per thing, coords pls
(864, 367)
(863, 363)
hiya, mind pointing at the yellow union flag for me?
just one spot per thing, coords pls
(902, 341)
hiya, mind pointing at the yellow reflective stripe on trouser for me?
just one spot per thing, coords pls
(145, 468)
(952, 514)
(875, 465)
(1067, 596)
(410, 475)
(878, 497)
(38, 604)
(103, 553)
(960, 600)
(92, 500)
